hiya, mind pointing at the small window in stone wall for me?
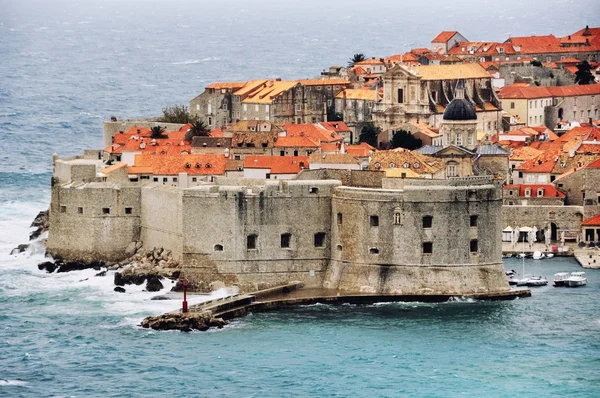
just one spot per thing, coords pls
(63, 209)
(397, 218)
(105, 210)
(374, 250)
(339, 248)
(339, 218)
(80, 210)
(129, 210)
(218, 248)
(251, 242)
(474, 221)
(286, 240)
(314, 190)
(320, 239)
(374, 221)
(427, 247)
(474, 245)
(427, 221)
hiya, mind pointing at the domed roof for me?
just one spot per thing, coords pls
(460, 109)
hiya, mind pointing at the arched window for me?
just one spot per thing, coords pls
(540, 192)
(218, 248)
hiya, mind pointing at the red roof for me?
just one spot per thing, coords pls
(532, 92)
(277, 164)
(203, 164)
(444, 37)
(314, 131)
(296, 141)
(594, 165)
(548, 190)
(592, 221)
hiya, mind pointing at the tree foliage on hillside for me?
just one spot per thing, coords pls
(356, 58)
(535, 62)
(369, 134)
(177, 114)
(584, 73)
(198, 129)
(404, 139)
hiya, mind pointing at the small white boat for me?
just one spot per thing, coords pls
(560, 278)
(549, 255)
(576, 279)
(522, 281)
(537, 281)
(538, 255)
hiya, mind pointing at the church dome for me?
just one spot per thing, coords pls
(460, 109)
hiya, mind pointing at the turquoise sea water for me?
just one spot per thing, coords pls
(68, 65)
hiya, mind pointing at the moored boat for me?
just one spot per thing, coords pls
(576, 279)
(538, 255)
(549, 255)
(537, 281)
(560, 278)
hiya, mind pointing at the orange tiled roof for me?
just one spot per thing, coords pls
(415, 161)
(314, 131)
(548, 190)
(204, 164)
(227, 85)
(588, 149)
(358, 94)
(324, 82)
(333, 158)
(594, 165)
(444, 36)
(277, 164)
(524, 153)
(595, 221)
(362, 150)
(338, 127)
(298, 141)
(370, 61)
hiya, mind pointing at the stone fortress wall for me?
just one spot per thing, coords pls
(359, 239)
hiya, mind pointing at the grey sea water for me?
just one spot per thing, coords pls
(67, 65)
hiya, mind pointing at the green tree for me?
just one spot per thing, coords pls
(404, 139)
(356, 58)
(157, 132)
(535, 62)
(198, 129)
(176, 114)
(369, 134)
(584, 73)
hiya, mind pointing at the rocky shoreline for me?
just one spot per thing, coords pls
(140, 266)
(41, 223)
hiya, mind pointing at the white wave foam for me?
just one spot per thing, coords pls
(196, 61)
(7, 383)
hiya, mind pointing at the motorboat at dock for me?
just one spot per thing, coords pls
(576, 279)
(560, 279)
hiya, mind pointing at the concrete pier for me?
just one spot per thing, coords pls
(294, 294)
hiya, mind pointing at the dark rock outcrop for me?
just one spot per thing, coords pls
(62, 266)
(185, 322)
(41, 223)
(102, 273)
(119, 289)
(153, 284)
(49, 266)
(19, 249)
(158, 298)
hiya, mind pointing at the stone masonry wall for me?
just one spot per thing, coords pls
(93, 222)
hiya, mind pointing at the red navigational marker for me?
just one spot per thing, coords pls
(185, 305)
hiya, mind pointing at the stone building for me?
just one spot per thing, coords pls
(293, 101)
(392, 238)
(546, 106)
(421, 93)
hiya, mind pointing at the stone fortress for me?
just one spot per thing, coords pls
(354, 231)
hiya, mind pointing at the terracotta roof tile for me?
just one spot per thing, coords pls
(203, 164)
(444, 36)
(548, 190)
(333, 158)
(277, 164)
(595, 221)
